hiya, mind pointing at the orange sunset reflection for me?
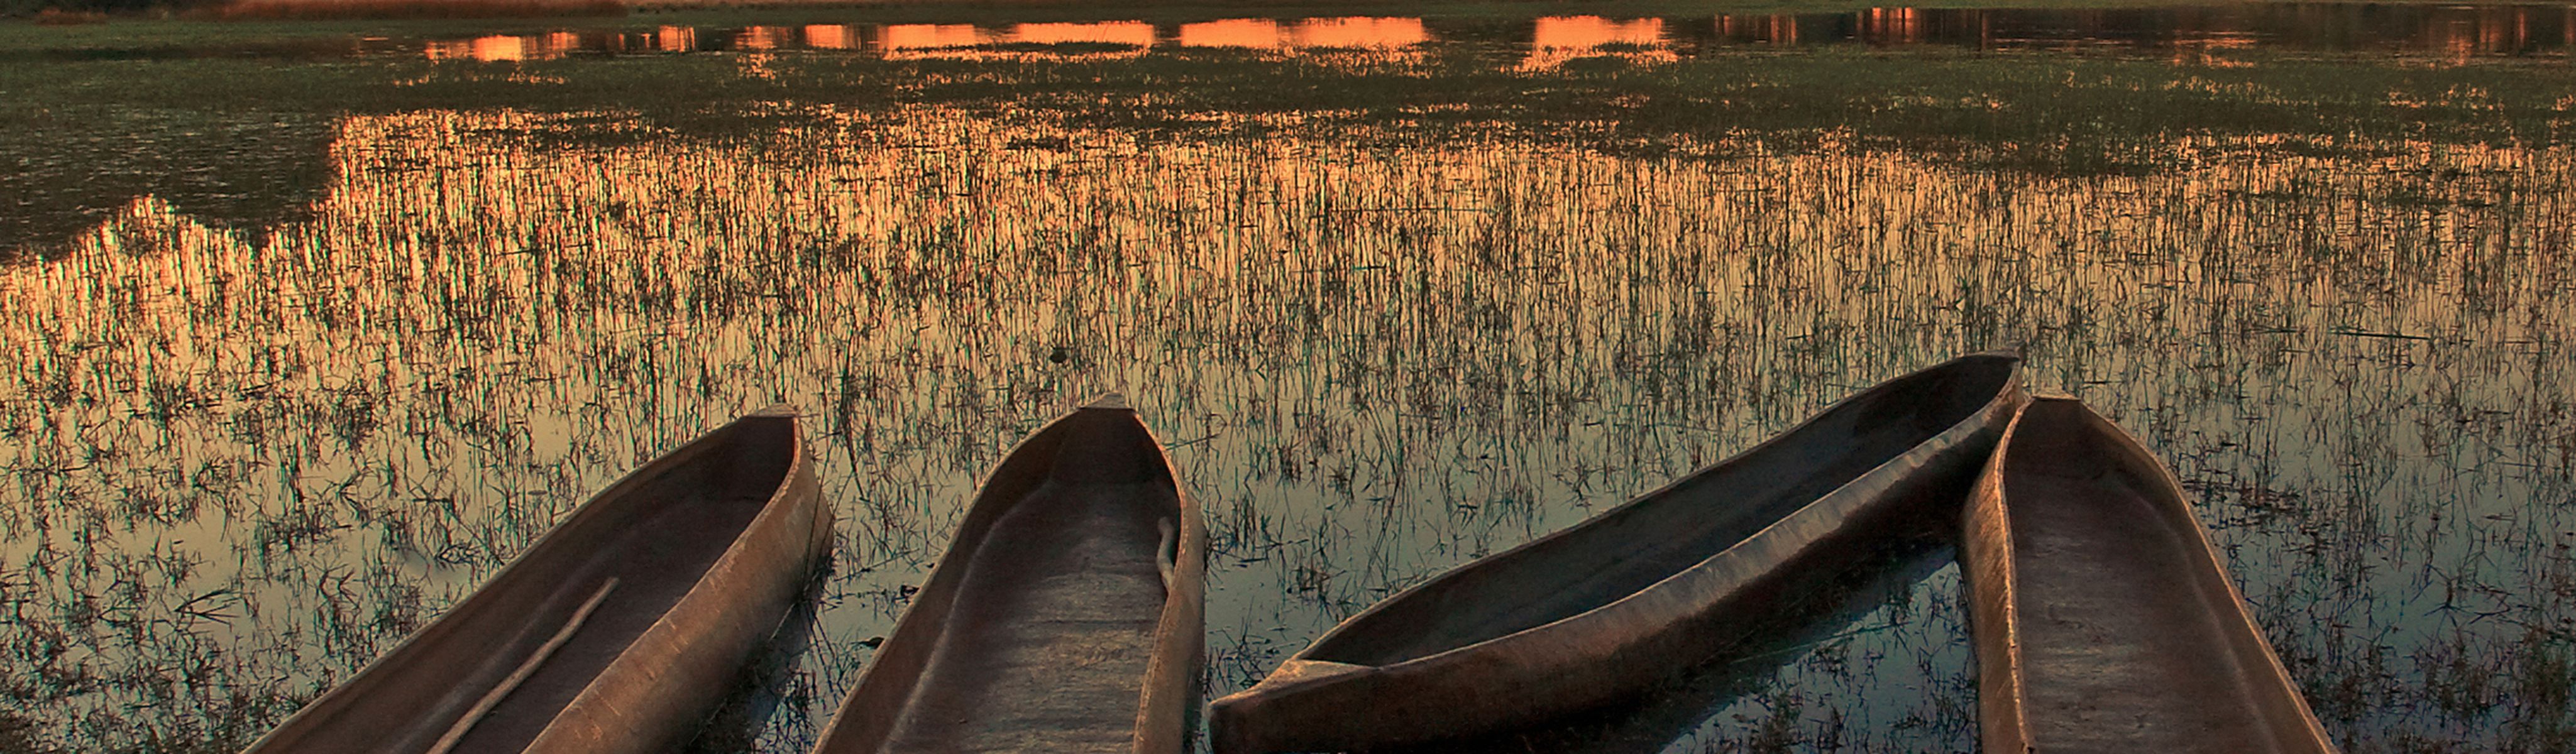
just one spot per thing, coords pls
(902, 40)
(675, 39)
(1137, 33)
(500, 48)
(764, 38)
(831, 37)
(1344, 33)
(1561, 38)
(1254, 33)
(504, 47)
(1772, 29)
(1361, 32)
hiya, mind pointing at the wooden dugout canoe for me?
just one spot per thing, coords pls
(618, 631)
(1613, 605)
(2104, 620)
(1065, 617)
(1670, 716)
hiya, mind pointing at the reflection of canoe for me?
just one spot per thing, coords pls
(2104, 621)
(1604, 609)
(617, 631)
(1065, 616)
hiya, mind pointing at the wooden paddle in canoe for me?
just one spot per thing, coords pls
(1065, 617)
(2104, 621)
(1612, 606)
(618, 631)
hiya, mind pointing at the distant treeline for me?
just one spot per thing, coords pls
(39, 8)
(79, 10)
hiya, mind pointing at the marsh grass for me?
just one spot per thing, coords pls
(243, 142)
(1373, 359)
(1389, 314)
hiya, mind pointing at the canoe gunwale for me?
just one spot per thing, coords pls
(867, 717)
(1684, 598)
(1989, 536)
(1180, 633)
(664, 653)
(2010, 393)
(1992, 602)
(795, 486)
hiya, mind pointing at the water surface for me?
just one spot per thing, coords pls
(2440, 30)
(247, 454)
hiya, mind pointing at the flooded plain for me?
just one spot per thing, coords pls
(247, 452)
(2457, 30)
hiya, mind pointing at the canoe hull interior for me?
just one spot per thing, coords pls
(615, 632)
(1605, 609)
(1066, 615)
(2104, 620)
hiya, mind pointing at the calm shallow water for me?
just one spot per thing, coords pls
(250, 459)
(2463, 31)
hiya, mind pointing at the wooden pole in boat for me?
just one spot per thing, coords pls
(456, 733)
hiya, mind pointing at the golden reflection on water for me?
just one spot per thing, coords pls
(832, 37)
(1557, 39)
(897, 39)
(1373, 361)
(1893, 26)
(1772, 29)
(1349, 33)
(759, 38)
(1137, 33)
(913, 41)
(1359, 33)
(675, 38)
(1255, 33)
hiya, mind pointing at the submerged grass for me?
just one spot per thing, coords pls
(251, 461)
(332, 338)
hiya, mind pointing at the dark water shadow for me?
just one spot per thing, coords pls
(1829, 610)
(317, 49)
(769, 681)
(229, 169)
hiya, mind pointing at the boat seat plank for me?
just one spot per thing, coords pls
(1049, 654)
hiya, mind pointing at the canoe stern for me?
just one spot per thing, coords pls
(1296, 707)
